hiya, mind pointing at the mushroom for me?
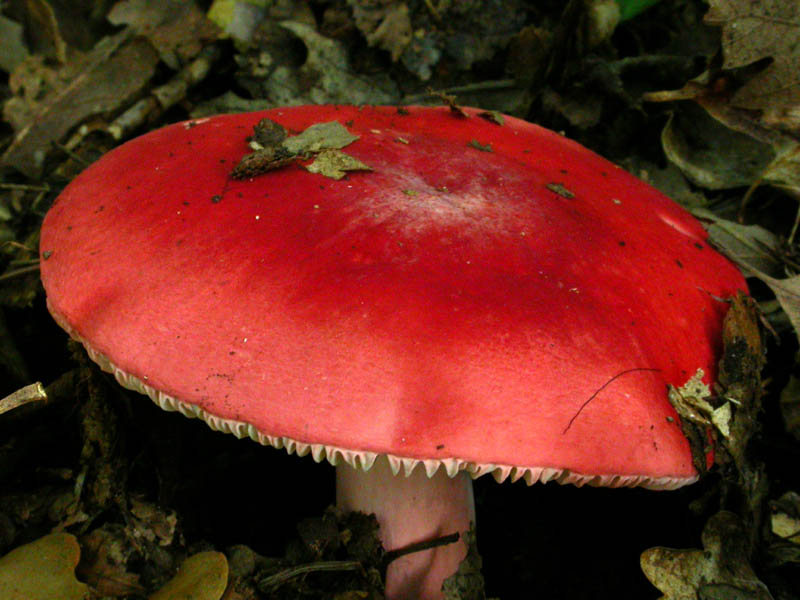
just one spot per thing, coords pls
(489, 297)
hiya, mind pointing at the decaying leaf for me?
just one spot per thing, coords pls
(755, 251)
(203, 576)
(43, 570)
(741, 244)
(757, 29)
(784, 169)
(493, 116)
(152, 522)
(732, 408)
(273, 150)
(262, 160)
(45, 30)
(750, 246)
(328, 67)
(104, 563)
(785, 521)
(177, 29)
(318, 137)
(12, 44)
(385, 25)
(450, 101)
(335, 164)
(743, 355)
(693, 574)
(267, 133)
(115, 70)
(756, 88)
(711, 155)
(694, 411)
(689, 400)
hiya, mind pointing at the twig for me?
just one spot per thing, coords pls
(434, 11)
(471, 88)
(30, 393)
(25, 186)
(18, 272)
(167, 95)
(15, 244)
(419, 547)
(274, 581)
(71, 154)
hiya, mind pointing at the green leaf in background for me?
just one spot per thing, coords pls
(631, 8)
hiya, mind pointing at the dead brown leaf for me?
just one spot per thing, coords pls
(336, 164)
(116, 69)
(711, 155)
(755, 87)
(44, 28)
(104, 563)
(13, 49)
(721, 568)
(757, 29)
(388, 27)
(177, 29)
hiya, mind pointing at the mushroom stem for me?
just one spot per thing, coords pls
(409, 510)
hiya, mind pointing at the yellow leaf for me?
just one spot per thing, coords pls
(43, 570)
(203, 576)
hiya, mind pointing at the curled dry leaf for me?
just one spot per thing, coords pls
(754, 250)
(756, 90)
(711, 155)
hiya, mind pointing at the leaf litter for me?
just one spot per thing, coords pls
(273, 149)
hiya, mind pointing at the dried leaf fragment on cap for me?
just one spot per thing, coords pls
(335, 164)
(273, 149)
(320, 136)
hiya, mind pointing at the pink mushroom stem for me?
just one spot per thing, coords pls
(409, 510)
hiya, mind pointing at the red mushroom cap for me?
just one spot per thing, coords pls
(517, 311)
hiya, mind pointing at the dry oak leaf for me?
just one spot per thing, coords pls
(177, 29)
(756, 29)
(720, 570)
